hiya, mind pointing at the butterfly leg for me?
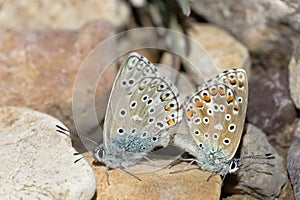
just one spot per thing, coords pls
(125, 169)
(107, 175)
(190, 160)
(152, 162)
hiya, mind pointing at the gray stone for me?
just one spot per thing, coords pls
(293, 162)
(270, 105)
(294, 74)
(37, 162)
(269, 28)
(262, 178)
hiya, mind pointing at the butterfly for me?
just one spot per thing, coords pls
(143, 109)
(215, 116)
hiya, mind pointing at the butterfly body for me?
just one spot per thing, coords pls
(215, 116)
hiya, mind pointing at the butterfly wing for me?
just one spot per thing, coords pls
(216, 112)
(143, 107)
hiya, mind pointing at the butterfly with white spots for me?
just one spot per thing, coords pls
(142, 112)
(215, 116)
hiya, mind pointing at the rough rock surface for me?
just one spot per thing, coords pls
(294, 74)
(270, 106)
(57, 14)
(260, 178)
(222, 48)
(38, 69)
(269, 28)
(190, 184)
(37, 162)
(293, 162)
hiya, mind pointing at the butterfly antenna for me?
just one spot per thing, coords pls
(65, 132)
(76, 154)
(265, 156)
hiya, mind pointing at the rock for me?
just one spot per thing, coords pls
(281, 140)
(260, 178)
(191, 184)
(270, 106)
(293, 161)
(70, 15)
(269, 28)
(239, 197)
(225, 51)
(37, 162)
(287, 192)
(38, 69)
(294, 74)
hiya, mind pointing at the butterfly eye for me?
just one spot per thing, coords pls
(233, 167)
(99, 153)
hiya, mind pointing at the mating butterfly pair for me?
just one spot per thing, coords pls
(144, 108)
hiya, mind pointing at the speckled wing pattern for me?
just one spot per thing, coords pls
(143, 108)
(216, 113)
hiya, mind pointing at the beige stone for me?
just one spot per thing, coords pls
(57, 14)
(222, 48)
(38, 69)
(190, 184)
(37, 162)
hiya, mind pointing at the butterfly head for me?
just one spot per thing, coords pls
(99, 153)
(234, 166)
